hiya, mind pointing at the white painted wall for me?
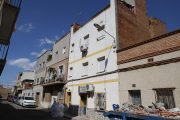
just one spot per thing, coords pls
(26, 91)
(106, 18)
(27, 75)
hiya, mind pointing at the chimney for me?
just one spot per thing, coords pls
(75, 27)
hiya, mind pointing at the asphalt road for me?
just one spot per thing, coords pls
(11, 111)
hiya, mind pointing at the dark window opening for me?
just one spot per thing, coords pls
(165, 96)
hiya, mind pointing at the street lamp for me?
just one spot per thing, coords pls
(101, 28)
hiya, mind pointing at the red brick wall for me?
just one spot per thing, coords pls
(132, 28)
(157, 27)
(164, 44)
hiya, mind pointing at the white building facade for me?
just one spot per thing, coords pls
(93, 62)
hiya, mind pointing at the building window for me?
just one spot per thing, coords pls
(86, 40)
(39, 66)
(165, 96)
(38, 81)
(101, 33)
(100, 101)
(34, 81)
(43, 64)
(60, 69)
(64, 50)
(71, 72)
(85, 68)
(61, 93)
(135, 96)
(28, 94)
(57, 53)
(101, 64)
(72, 48)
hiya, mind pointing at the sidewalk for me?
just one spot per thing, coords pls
(67, 115)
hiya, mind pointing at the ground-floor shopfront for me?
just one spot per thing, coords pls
(51, 93)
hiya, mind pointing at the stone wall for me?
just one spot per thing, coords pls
(92, 114)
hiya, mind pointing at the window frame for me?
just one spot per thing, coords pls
(72, 48)
(64, 50)
(70, 71)
(104, 35)
(63, 69)
(56, 54)
(39, 66)
(83, 65)
(43, 64)
(98, 60)
(95, 105)
(131, 97)
(157, 96)
(37, 82)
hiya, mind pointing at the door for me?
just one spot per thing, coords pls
(68, 99)
(54, 96)
(37, 99)
(84, 103)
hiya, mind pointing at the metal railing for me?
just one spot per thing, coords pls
(16, 3)
(3, 51)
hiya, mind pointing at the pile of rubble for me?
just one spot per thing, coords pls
(157, 109)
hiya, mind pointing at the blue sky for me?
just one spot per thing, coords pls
(41, 22)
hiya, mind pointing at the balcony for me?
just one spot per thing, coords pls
(53, 80)
(3, 54)
(9, 11)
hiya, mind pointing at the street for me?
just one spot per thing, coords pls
(11, 111)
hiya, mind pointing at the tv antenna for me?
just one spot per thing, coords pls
(79, 17)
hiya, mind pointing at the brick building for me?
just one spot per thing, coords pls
(149, 71)
(4, 91)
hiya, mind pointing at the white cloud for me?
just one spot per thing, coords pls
(45, 40)
(56, 37)
(63, 32)
(23, 63)
(39, 54)
(26, 27)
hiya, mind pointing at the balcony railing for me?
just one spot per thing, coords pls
(3, 51)
(16, 3)
(52, 80)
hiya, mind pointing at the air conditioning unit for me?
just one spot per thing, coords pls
(84, 48)
(89, 87)
(82, 89)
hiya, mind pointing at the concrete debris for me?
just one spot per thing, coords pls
(157, 109)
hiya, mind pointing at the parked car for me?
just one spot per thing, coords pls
(10, 98)
(14, 99)
(27, 101)
(18, 100)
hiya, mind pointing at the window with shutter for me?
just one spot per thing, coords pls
(165, 96)
(101, 64)
(100, 101)
(101, 33)
(85, 68)
(135, 96)
(86, 40)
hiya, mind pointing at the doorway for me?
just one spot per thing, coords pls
(54, 96)
(68, 99)
(83, 103)
(37, 99)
